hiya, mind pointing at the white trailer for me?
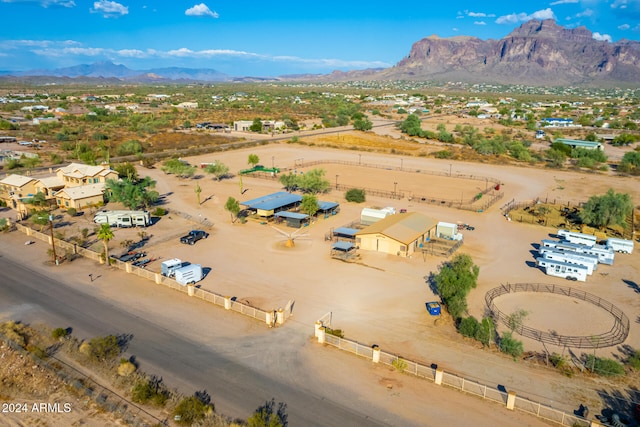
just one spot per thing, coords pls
(447, 230)
(620, 245)
(191, 273)
(562, 269)
(168, 267)
(369, 216)
(580, 238)
(123, 218)
(605, 255)
(585, 260)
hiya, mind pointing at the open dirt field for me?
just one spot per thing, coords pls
(382, 299)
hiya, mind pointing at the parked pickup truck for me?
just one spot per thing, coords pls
(193, 237)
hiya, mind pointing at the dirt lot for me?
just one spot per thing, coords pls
(381, 300)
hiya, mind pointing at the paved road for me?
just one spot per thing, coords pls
(29, 296)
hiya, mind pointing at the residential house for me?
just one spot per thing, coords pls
(76, 174)
(80, 197)
(15, 190)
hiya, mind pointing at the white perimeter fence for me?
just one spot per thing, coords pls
(271, 318)
(440, 377)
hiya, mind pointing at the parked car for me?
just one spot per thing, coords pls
(193, 237)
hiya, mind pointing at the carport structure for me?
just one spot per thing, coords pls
(293, 219)
(343, 250)
(267, 206)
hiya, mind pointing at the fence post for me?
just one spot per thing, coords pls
(227, 303)
(376, 354)
(317, 327)
(280, 316)
(321, 335)
(127, 267)
(511, 400)
(439, 376)
(595, 423)
(268, 317)
(191, 289)
(158, 278)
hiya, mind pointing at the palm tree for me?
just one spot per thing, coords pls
(105, 234)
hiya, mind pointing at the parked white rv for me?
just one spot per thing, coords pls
(585, 260)
(620, 245)
(123, 218)
(168, 267)
(191, 273)
(605, 255)
(563, 269)
(579, 238)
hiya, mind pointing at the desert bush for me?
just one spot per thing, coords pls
(603, 366)
(468, 326)
(159, 211)
(150, 390)
(355, 195)
(15, 332)
(102, 348)
(59, 333)
(4, 224)
(192, 409)
(399, 364)
(126, 368)
(634, 360)
(511, 346)
(72, 212)
(335, 332)
(443, 154)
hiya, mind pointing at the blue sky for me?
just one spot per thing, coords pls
(272, 37)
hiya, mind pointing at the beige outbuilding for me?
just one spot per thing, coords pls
(400, 234)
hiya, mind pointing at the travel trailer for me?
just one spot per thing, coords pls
(605, 255)
(562, 269)
(168, 267)
(191, 273)
(585, 260)
(620, 245)
(580, 238)
(123, 218)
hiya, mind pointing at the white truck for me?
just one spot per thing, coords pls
(123, 218)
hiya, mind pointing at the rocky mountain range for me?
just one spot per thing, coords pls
(536, 53)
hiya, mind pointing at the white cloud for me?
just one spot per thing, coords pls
(109, 9)
(60, 50)
(619, 4)
(624, 27)
(44, 3)
(555, 3)
(479, 23)
(201, 10)
(514, 18)
(585, 13)
(602, 37)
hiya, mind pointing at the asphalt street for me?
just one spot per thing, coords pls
(29, 296)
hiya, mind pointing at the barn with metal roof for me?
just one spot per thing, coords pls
(267, 206)
(399, 234)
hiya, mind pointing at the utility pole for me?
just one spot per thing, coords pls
(53, 242)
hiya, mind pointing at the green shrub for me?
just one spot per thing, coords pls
(400, 364)
(59, 333)
(443, 154)
(149, 390)
(104, 348)
(4, 224)
(355, 195)
(159, 212)
(511, 346)
(335, 332)
(468, 326)
(191, 410)
(72, 212)
(634, 360)
(604, 367)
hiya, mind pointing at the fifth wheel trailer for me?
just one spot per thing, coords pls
(620, 245)
(585, 260)
(123, 218)
(563, 269)
(580, 238)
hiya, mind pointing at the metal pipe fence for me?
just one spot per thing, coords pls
(616, 335)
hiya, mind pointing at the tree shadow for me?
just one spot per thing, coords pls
(633, 285)
(431, 281)
(124, 340)
(620, 404)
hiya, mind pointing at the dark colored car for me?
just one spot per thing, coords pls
(193, 237)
